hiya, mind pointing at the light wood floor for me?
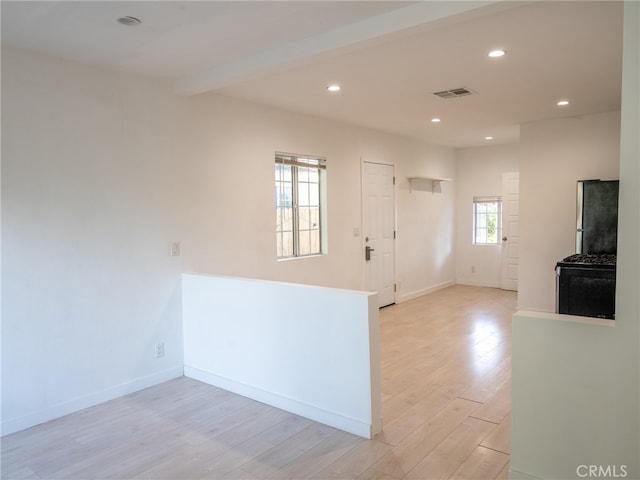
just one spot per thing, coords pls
(446, 368)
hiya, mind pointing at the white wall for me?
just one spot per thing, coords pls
(230, 197)
(555, 154)
(313, 351)
(426, 230)
(91, 198)
(479, 173)
(576, 386)
(101, 171)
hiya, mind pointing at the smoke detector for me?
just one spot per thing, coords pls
(454, 93)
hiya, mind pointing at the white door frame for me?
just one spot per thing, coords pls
(364, 233)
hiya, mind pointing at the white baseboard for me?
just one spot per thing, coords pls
(13, 425)
(304, 410)
(419, 293)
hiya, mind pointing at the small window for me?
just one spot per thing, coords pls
(487, 220)
(300, 205)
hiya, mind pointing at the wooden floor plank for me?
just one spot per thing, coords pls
(419, 443)
(447, 457)
(496, 408)
(279, 456)
(488, 385)
(319, 457)
(483, 463)
(504, 473)
(398, 429)
(499, 439)
(358, 460)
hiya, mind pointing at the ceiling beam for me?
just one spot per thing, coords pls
(419, 15)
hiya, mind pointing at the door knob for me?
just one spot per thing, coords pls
(504, 239)
(367, 252)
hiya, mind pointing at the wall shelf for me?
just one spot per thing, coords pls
(420, 182)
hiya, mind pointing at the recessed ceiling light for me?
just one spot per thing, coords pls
(488, 137)
(497, 53)
(562, 103)
(435, 120)
(334, 88)
(129, 21)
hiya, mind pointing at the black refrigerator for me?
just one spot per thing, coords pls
(586, 281)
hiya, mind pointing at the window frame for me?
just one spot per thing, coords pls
(485, 200)
(296, 162)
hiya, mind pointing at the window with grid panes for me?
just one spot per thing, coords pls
(487, 220)
(299, 182)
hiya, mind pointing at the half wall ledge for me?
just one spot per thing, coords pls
(312, 351)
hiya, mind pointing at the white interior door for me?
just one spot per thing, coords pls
(510, 230)
(379, 230)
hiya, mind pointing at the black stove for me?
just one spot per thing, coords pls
(586, 281)
(587, 285)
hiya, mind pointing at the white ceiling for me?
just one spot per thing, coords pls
(389, 56)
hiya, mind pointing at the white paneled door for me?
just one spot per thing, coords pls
(379, 230)
(510, 230)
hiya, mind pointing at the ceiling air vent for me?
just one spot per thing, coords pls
(454, 93)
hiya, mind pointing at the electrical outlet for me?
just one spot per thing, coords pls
(473, 269)
(160, 350)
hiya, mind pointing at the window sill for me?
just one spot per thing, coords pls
(287, 259)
